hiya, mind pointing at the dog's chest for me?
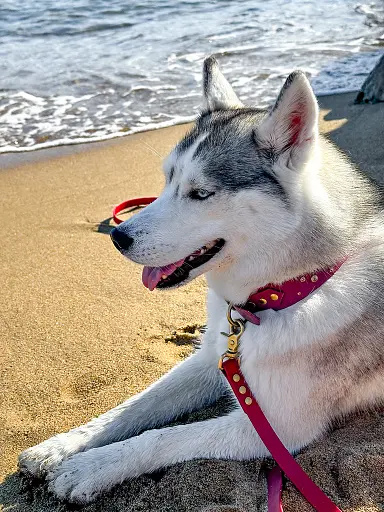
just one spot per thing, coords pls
(280, 381)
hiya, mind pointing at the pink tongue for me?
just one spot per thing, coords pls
(152, 275)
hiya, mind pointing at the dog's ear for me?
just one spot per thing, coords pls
(292, 125)
(218, 94)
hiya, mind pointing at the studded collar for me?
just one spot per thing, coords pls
(286, 294)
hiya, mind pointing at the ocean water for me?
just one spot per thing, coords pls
(81, 70)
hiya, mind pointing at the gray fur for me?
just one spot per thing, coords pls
(218, 93)
(231, 155)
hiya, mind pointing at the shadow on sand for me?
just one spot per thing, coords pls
(358, 130)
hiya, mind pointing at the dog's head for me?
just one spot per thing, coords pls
(233, 192)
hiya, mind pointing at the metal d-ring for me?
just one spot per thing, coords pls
(236, 325)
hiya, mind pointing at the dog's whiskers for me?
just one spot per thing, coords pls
(152, 149)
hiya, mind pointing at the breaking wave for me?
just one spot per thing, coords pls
(85, 71)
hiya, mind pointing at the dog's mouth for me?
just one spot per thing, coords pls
(177, 272)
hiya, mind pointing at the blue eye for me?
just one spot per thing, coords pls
(200, 194)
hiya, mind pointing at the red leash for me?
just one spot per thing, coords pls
(138, 201)
(314, 495)
(275, 486)
(231, 369)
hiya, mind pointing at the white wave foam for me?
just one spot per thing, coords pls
(67, 141)
(70, 122)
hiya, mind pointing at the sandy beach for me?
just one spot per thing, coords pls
(80, 334)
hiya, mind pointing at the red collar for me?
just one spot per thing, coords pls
(287, 294)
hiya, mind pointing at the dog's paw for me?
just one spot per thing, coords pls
(44, 457)
(81, 478)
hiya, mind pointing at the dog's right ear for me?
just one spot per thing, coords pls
(218, 94)
(291, 127)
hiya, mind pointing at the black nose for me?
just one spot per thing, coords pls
(121, 240)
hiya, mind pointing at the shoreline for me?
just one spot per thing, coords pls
(17, 157)
(80, 334)
(116, 136)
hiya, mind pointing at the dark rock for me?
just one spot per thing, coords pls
(372, 90)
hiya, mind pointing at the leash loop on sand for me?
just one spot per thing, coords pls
(137, 201)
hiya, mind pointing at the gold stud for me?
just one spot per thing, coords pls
(262, 302)
(248, 400)
(302, 279)
(314, 279)
(236, 377)
(242, 390)
(274, 296)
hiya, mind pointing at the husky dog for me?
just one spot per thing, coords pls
(251, 197)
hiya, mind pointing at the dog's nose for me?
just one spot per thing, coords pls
(121, 240)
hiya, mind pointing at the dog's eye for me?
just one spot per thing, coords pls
(200, 194)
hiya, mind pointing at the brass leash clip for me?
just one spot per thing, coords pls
(236, 329)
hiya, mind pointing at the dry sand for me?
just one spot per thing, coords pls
(79, 333)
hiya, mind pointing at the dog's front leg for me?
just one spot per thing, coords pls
(191, 385)
(85, 475)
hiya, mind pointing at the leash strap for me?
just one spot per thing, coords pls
(313, 494)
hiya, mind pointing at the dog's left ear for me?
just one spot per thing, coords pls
(292, 125)
(218, 94)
